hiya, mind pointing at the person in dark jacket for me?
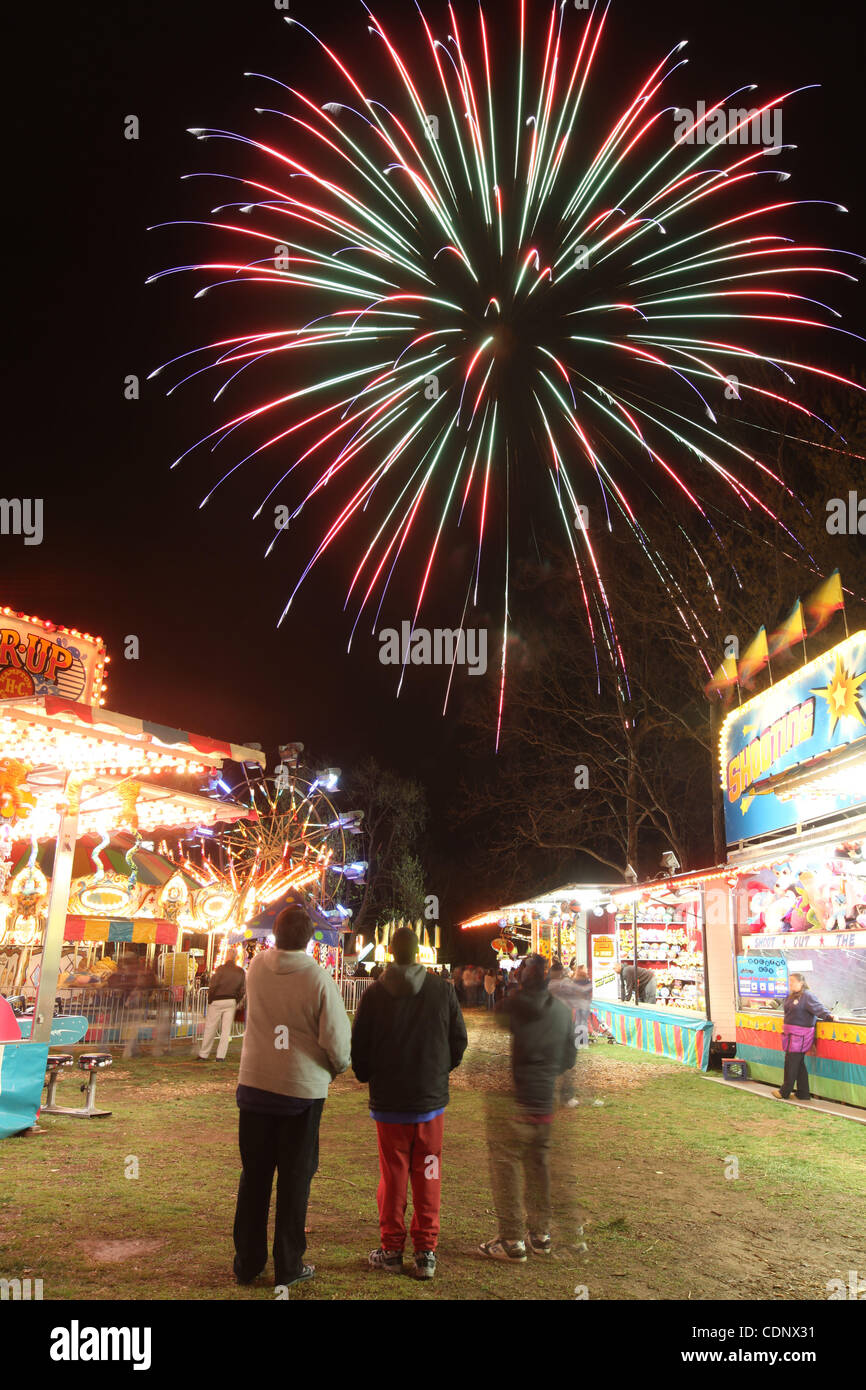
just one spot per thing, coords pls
(646, 983)
(542, 1048)
(802, 1012)
(225, 994)
(409, 1035)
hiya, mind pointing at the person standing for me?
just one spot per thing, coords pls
(457, 982)
(409, 1035)
(802, 1011)
(563, 987)
(490, 984)
(583, 1006)
(296, 1041)
(519, 1136)
(225, 995)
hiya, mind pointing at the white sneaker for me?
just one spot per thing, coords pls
(572, 1104)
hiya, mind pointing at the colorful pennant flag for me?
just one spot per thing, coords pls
(754, 658)
(792, 631)
(723, 678)
(823, 602)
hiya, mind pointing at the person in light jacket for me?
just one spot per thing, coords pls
(297, 1039)
(802, 1012)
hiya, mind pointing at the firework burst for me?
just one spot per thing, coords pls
(481, 304)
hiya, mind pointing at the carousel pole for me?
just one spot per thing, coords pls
(58, 902)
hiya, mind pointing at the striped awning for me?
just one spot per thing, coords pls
(121, 929)
(49, 712)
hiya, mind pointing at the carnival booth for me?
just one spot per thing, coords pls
(682, 927)
(558, 925)
(664, 929)
(70, 767)
(793, 765)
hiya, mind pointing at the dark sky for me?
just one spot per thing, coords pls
(126, 549)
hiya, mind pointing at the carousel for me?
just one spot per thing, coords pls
(70, 768)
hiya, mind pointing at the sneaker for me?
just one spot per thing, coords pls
(499, 1249)
(539, 1244)
(425, 1264)
(779, 1096)
(572, 1104)
(307, 1272)
(392, 1260)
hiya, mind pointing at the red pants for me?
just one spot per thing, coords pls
(410, 1151)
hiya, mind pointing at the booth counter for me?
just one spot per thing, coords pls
(682, 1036)
(837, 1066)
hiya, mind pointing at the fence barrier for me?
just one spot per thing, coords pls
(158, 1016)
(352, 991)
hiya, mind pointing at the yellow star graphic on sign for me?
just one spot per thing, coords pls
(842, 695)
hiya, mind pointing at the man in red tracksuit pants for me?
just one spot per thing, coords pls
(408, 1035)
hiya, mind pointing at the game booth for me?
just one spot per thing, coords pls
(676, 927)
(794, 774)
(595, 925)
(69, 767)
(557, 925)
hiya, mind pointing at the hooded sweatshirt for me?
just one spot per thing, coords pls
(408, 1035)
(542, 1046)
(297, 1035)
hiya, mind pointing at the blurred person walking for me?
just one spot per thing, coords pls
(519, 1134)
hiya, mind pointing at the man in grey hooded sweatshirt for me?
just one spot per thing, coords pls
(409, 1035)
(296, 1040)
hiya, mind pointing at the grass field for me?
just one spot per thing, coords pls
(651, 1172)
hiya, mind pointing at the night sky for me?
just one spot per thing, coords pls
(126, 549)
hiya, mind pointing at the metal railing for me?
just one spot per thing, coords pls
(157, 1016)
(352, 991)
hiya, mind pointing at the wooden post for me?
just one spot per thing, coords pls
(58, 902)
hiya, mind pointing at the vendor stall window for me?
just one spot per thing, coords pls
(807, 914)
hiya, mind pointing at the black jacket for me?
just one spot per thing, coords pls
(408, 1035)
(228, 982)
(542, 1046)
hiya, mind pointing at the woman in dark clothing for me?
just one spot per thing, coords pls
(802, 1012)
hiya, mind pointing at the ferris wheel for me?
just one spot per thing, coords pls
(296, 839)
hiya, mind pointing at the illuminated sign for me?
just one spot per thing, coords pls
(762, 977)
(814, 711)
(39, 658)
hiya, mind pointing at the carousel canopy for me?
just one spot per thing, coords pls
(47, 730)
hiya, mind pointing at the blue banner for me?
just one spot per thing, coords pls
(819, 708)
